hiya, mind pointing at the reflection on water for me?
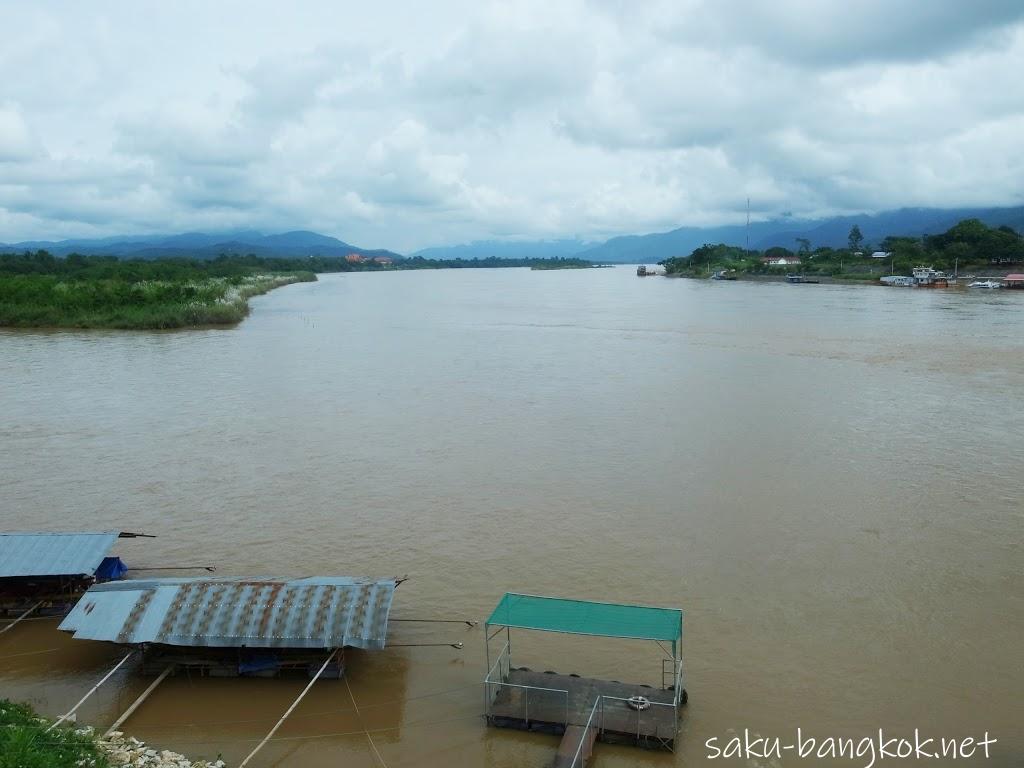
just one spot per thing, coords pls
(825, 478)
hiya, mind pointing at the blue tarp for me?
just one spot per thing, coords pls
(111, 569)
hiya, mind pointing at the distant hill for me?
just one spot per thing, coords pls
(529, 249)
(634, 249)
(905, 222)
(784, 232)
(202, 245)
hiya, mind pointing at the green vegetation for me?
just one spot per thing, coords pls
(39, 290)
(970, 245)
(25, 744)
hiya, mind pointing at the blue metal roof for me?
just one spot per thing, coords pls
(319, 612)
(53, 554)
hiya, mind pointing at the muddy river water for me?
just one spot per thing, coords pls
(826, 479)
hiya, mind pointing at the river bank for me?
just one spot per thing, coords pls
(853, 279)
(52, 301)
(30, 741)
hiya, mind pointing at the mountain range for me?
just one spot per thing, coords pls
(832, 232)
(202, 245)
(909, 222)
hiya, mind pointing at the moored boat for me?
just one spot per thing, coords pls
(900, 281)
(926, 277)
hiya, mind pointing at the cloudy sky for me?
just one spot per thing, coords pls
(402, 125)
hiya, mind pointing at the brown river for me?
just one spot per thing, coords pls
(826, 479)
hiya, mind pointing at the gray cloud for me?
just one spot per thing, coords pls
(401, 126)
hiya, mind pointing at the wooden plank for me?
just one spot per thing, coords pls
(135, 705)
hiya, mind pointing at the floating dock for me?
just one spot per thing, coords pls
(46, 573)
(584, 710)
(238, 626)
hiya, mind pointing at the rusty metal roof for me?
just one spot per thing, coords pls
(53, 554)
(318, 612)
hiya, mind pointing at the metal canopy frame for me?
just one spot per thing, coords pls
(503, 618)
(540, 613)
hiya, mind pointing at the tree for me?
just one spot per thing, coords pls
(855, 238)
(804, 246)
(778, 252)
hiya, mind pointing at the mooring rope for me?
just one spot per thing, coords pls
(29, 653)
(362, 725)
(335, 711)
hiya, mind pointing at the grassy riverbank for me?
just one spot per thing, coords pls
(102, 293)
(24, 742)
(39, 290)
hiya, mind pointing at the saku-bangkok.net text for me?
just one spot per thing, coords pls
(868, 749)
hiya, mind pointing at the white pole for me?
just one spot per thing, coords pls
(24, 615)
(285, 715)
(135, 705)
(106, 677)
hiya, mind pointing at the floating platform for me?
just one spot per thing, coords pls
(241, 662)
(584, 710)
(553, 703)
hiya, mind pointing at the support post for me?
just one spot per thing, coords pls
(25, 615)
(289, 711)
(81, 701)
(135, 705)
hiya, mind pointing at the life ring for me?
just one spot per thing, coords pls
(639, 703)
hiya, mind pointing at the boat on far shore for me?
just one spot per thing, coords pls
(921, 277)
(985, 284)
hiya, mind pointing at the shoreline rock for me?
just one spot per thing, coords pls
(128, 752)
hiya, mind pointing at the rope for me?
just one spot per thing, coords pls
(29, 653)
(338, 734)
(289, 710)
(375, 730)
(359, 717)
(336, 711)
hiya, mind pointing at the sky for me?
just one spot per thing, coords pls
(404, 125)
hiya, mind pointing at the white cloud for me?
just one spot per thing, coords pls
(401, 125)
(16, 140)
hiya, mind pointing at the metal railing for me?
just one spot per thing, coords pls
(637, 715)
(548, 704)
(671, 673)
(497, 675)
(579, 759)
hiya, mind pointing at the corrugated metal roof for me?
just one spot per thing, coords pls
(53, 554)
(319, 612)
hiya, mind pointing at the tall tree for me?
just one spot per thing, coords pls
(855, 238)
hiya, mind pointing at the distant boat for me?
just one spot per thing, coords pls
(926, 277)
(985, 284)
(724, 274)
(802, 279)
(900, 281)
(644, 271)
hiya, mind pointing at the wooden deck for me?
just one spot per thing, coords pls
(568, 701)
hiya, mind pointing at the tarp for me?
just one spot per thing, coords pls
(111, 569)
(584, 617)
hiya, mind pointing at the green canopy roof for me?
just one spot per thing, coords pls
(583, 617)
